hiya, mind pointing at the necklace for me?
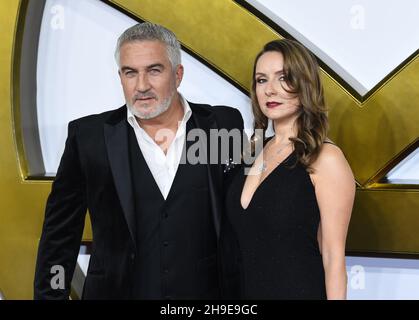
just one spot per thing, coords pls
(263, 166)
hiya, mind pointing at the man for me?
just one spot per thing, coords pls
(155, 219)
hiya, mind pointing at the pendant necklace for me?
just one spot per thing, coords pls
(264, 165)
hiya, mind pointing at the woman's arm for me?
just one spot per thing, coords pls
(335, 191)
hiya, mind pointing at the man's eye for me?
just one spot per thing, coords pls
(155, 71)
(130, 73)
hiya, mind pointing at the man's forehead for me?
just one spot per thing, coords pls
(144, 52)
(143, 45)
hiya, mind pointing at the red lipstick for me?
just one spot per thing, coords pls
(273, 104)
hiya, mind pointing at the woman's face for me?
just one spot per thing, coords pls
(274, 101)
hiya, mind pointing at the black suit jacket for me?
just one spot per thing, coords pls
(94, 174)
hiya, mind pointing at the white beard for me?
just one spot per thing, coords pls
(161, 108)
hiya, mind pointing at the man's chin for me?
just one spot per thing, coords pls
(144, 115)
(148, 115)
(142, 112)
(148, 111)
(142, 106)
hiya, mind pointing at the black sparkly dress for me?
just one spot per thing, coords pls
(277, 235)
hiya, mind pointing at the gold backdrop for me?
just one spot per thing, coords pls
(373, 132)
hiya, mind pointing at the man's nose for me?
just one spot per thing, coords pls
(143, 84)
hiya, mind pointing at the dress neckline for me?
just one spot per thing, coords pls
(261, 183)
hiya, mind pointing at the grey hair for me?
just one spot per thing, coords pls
(148, 31)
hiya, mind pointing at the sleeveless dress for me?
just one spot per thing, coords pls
(277, 235)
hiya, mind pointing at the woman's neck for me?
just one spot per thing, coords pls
(284, 130)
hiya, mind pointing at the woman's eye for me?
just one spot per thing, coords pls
(261, 80)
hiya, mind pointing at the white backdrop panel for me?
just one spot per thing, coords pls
(362, 40)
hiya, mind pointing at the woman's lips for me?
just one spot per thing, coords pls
(273, 104)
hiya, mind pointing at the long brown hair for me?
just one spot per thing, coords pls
(302, 76)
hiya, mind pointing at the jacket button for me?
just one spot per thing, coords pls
(166, 243)
(132, 256)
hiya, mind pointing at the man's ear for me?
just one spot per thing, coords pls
(179, 75)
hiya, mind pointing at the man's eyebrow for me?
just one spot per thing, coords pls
(126, 68)
(155, 65)
(151, 66)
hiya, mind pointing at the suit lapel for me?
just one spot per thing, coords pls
(116, 140)
(205, 120)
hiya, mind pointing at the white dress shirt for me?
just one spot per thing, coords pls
(163, 167)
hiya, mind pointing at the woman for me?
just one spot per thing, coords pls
(291, 211)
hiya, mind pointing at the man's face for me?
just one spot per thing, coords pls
(147, 77)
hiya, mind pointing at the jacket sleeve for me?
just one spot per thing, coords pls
(63, 225)
(229, 252)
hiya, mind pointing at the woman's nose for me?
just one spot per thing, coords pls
(270, 89)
